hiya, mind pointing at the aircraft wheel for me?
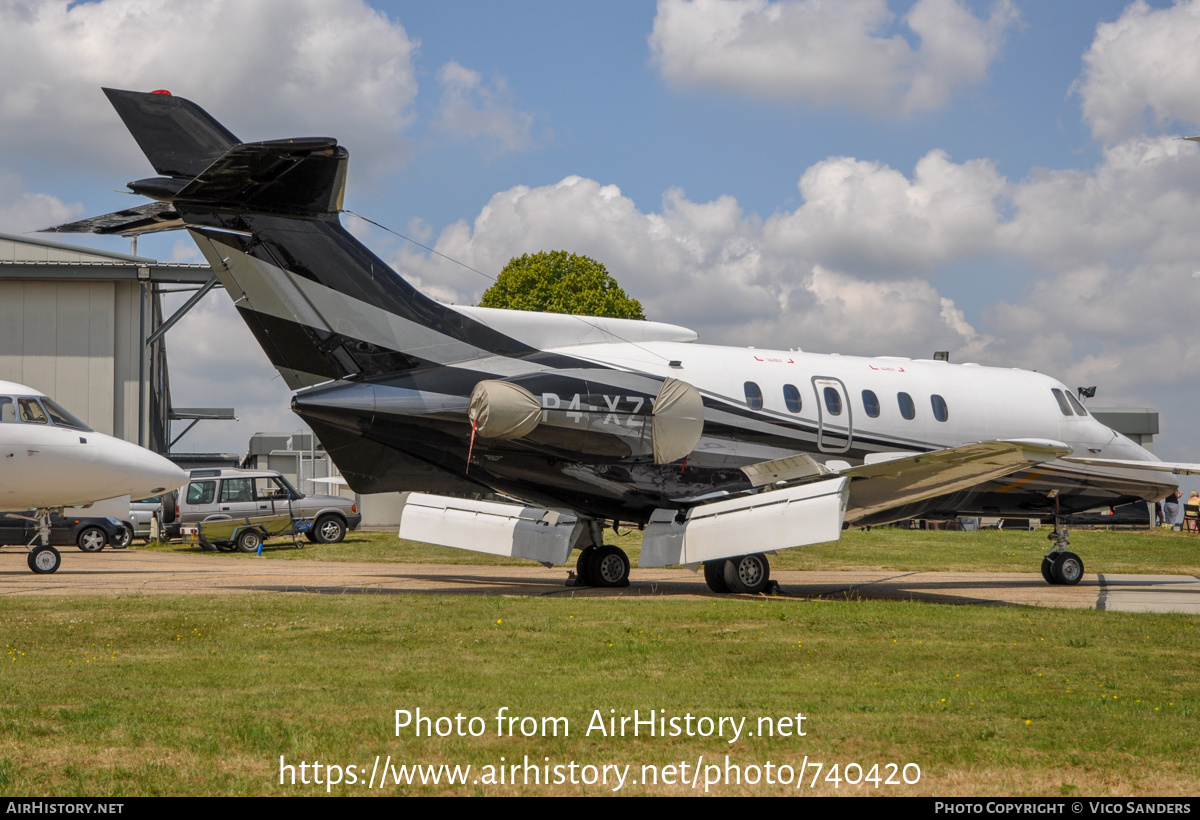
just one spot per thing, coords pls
(1048, 571)
(123, 539)
(329, 529)
(714, 575)
(91, 539)
(747, 574)
(249, 541)
(1068, 568)
(44, 560)
(610, 567)
(583, 566)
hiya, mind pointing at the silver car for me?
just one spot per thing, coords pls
(263, 495)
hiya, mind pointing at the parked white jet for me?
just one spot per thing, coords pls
(49, 460)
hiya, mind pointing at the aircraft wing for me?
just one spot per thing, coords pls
(1173, 467)
(884, 483)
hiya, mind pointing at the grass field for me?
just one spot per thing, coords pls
(198, 695)
(1157, 552)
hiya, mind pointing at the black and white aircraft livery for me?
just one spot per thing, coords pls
(571, 423)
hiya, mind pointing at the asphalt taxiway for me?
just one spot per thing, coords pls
(133, 572)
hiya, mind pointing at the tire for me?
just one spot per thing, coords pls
(311, 538)
(91, 539)
(123, 539)
(207, 547)
(1048, 571)
(44, 560)
(714, 576)
(748, 574)
(583, 570)
(1068, 568)
(609, 567)
(224, 547)
(249, 541)
(329, 529)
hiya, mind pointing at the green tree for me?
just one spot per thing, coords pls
(560, 282)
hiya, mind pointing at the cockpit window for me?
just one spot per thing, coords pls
(1062, 401)
(1075, 403)
(31, 411)
(8, 410)
(61, 417)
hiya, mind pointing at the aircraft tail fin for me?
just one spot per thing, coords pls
(265, 215)
(179, 137)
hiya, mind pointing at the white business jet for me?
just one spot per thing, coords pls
(49, 460)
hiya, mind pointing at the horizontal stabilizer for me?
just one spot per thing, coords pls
(894, 482)
(1173, 467)
(149, 218)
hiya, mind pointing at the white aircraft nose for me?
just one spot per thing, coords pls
(159, 472)
(146, 473)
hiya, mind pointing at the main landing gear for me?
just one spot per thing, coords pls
(605, 566)
(747, 574)
(1061, 567)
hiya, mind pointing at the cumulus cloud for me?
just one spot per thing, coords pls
(706, 265)
(22, 210)
(1143, 70)
(842, 54)
(472, 110)
(267, 69)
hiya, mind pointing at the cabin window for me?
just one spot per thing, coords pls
(1062, 401)
(791, 397)
(753, 396)
(1079, 411)
(871, 403)
(833, 401)
(201, 492)
(907, 408)
(940, 411)
(31, 411)
(8, 411)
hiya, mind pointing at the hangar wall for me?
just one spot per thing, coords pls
(77, 342)
(71, 325)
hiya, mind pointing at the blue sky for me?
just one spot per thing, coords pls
(999, 179)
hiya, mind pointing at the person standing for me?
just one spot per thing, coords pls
(1171, 508)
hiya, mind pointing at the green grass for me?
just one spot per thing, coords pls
(201, 695)
(1157, 552)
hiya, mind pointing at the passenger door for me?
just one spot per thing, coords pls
(835, 425)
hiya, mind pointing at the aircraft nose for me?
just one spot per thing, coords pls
(158, 474)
